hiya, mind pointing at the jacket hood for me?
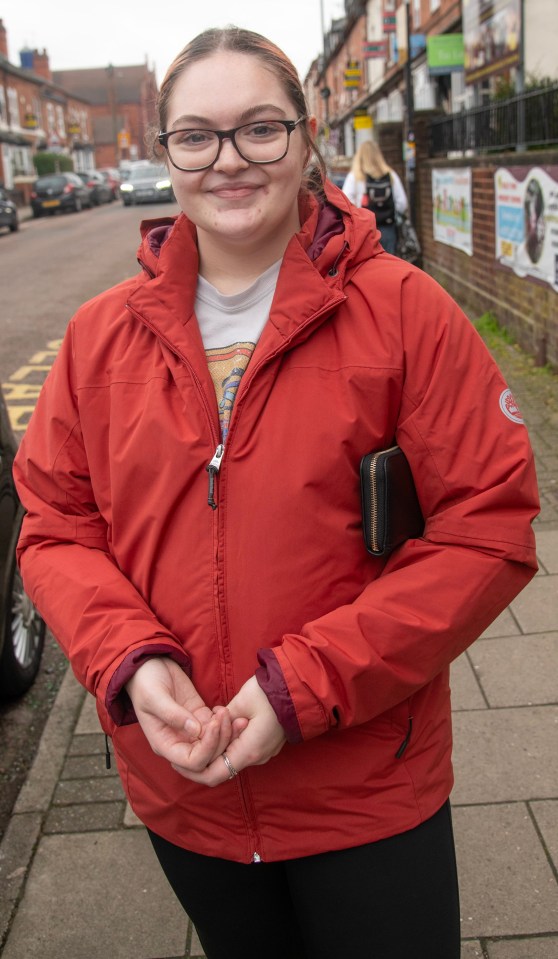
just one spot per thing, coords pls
(331, 230)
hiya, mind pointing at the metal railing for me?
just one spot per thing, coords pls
(527, 119)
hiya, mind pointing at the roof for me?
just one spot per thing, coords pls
(94, 83)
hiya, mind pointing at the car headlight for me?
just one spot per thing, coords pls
(163, 184)
(126, 187)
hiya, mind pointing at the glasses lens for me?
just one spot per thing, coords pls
(193, 149)
(262, 142)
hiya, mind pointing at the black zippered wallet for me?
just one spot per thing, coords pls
(390, 508)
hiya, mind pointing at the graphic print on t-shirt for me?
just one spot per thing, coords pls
(227, 366)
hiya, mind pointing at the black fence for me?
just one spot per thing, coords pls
(526, 120)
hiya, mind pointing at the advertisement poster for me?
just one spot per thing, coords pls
(452, 209)
(491, 34)
(526, 208)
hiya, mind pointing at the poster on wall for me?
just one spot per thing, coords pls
(451, 208)
(492, 37)
(526, 210)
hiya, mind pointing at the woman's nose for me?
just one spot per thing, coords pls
(229, 158)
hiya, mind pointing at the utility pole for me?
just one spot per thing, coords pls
(410, 144)
(520, 83)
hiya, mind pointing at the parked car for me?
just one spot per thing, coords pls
(148, 183)
(113, 178)
(22, 631)
(59, 191)
(8, 211)
(101, 192)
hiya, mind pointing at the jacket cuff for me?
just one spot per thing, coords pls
(117, 701)
(270, 677)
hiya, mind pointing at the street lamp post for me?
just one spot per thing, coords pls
(410, 145)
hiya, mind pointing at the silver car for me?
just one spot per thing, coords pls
(147, 184)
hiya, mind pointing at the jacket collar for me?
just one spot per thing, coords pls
(334, 238)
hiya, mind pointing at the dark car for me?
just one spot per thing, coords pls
(147, 184)
(101, 191)
(59, 191)
(8, 211)
(113, 178)
(22, 631)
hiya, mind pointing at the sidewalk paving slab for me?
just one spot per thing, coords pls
(507, 885)
(97, 895)
(514, 671)
(505, 755)
(543, 947)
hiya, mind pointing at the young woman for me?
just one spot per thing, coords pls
(277, 698)
(372, 183)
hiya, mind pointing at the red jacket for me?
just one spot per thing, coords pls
(123, 556)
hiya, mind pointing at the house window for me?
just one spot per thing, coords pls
(434, 5)
(416, 13)
(13, 107)
(3, 113)
(50, 117)
(60, 126)
(21, 162)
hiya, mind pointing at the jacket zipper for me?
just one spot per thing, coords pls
(213, 468)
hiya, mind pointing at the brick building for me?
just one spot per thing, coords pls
(37, 113)
(122, 100)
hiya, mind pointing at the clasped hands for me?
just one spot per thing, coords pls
(190, 735)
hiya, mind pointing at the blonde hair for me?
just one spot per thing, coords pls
(370, 160)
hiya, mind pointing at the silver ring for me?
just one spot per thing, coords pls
(232, 771)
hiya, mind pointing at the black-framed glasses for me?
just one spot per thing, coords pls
(262, 141)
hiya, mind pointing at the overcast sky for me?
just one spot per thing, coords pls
(95, 34)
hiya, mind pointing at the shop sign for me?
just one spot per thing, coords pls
(375, 50)
(445, 53)
(352, 76)
(492, 37)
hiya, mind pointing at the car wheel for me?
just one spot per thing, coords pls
(23, 634)
(36, 214)
(14, 227)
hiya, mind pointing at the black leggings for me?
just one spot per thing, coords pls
(392, 899)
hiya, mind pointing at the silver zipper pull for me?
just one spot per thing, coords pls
(213, 468)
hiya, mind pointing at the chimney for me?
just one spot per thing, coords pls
(41, 65)
(3, 40)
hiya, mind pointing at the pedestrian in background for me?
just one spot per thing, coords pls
(277, 698)
(372, 183)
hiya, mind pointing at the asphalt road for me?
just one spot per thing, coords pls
(47, 269)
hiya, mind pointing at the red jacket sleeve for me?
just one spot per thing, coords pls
(100, 620)
(474, 471)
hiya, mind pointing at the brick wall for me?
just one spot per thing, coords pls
(527, 307)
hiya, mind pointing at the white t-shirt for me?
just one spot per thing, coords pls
(354, 189)
(230, 327)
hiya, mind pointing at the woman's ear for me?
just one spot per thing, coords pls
(312, 129)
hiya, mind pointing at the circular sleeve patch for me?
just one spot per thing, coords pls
(509, 407)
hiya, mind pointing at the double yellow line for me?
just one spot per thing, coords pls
(23, 387)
